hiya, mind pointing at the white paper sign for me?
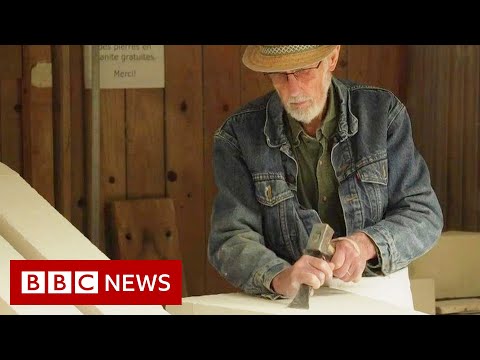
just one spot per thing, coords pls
(127, 66)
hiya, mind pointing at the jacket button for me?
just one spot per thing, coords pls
(290, 179)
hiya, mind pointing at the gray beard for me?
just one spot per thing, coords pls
(305, 116)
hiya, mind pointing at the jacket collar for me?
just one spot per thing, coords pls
(275, 131)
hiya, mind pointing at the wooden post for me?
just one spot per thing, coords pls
(95, 165)
(78, 139)
(37, 120)
(62, 130)
(184, 156)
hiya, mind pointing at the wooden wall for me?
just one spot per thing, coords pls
(11, 106)
(158, 142)
(443, 96)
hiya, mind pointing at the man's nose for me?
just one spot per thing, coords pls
(293, 85)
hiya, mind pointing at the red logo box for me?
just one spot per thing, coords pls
(95, 282)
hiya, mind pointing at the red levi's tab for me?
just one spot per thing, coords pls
(95, 282)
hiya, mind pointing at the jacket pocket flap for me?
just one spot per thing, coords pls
(376, 172)
(270, 192)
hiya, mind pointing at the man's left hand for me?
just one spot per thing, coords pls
(351, 256)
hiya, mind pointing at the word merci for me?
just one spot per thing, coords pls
(95, 282)
(123, 74)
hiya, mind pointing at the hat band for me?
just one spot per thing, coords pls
(269, 50)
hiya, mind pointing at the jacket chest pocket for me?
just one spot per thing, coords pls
(372, 179)
(273, 192)
(271, 189)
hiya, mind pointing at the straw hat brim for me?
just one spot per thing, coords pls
(254, 59)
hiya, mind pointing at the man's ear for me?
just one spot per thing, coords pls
(333, 58)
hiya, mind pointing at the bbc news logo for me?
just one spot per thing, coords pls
(60, 282)
(95, 282)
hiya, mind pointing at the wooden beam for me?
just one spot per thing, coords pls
(456, 142)
(184, 153)
(145, 142)
(10, 62)
(11, 123)
(62, 129)
(471, 149)
(78, 150)
(222, 91)
(37, 119)
(146, 229)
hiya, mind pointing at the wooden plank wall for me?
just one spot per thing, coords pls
(37, 119)
(11, 152)
(443, 97)
(78, 139)
(62, 130)
(158, 142)
(185, 158)
(222, 89)
(382, 66)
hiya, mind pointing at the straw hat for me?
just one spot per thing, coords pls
(277, 58)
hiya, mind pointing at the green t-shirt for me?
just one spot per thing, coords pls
(317, 185)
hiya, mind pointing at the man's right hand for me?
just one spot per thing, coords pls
(307, 270)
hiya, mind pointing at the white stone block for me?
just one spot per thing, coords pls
(7, 253)
(38, 231)
(325, 301)
(394, 289)
(385, 295)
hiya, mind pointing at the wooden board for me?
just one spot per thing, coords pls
(184, 156)
(443, 102)
(62, 129)
(437, 112)
(37, 120)
(455, 153)
(78, 149)
(378, 65)
(428, 84)
(145, 229)
(145, 140)
(471, 105)
(112, 105)
(222, 97)
(10, 62)
(113, 171)
(11, 124)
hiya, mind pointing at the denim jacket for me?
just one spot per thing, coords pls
(258, 227)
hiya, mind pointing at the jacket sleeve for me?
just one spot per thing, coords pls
(413, 221)
(236, 247)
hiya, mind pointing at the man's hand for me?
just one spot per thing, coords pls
(351, 256)
(307, 270)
